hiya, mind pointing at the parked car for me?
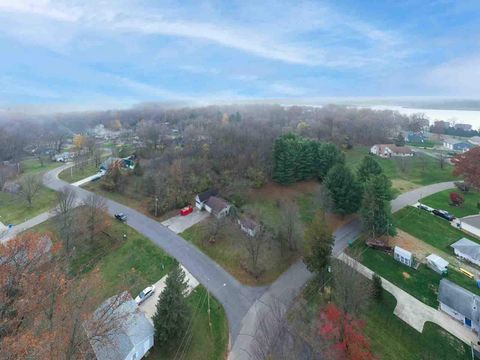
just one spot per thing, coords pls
(444, 214)
(186, 210)
(121, 217)
(425, 207)
(145, 294)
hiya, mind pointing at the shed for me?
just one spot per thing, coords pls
(437, 264)
(403, 256)
(467, 250)
(248, 226)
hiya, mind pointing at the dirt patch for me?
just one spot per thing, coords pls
(274, 191)
(406, 275)
(412, 244)
(403, 185)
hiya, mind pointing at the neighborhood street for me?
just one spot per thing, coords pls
(242, 303)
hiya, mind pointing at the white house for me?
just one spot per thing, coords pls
(460, 304)
(389, 150)
(467, 250)
(248, 226)
(437, 264)
(403, 256)
(471, 224)
(202, 198)
(131, 340)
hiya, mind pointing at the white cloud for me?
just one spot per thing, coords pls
(285, 89)
(460, 76)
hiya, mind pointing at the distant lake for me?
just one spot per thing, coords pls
(459, 116)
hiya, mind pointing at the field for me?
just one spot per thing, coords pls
(76, 173)
(393, 339)
(428, 228)
(405, 173)
(441, 200)
(14, 210)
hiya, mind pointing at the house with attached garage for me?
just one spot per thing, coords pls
(389, 150)
(130, 338)
(460, 304)
(470, 224)
(467, 250)
(202, 198)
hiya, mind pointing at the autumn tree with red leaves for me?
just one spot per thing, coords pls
(345, 333)
(456, 199)
(468, 165)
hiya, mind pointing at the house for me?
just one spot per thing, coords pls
(437, 264)
(460, 146)
(124, 163)
(474, 140)
(201, 198)
(217, 207)
(415, 137)
(248, 226)
(464, 127)
(460, 304)
(471, 224)
(389, 150)
(440, 124)
(403, 256)
(467, 250)
(131, 339)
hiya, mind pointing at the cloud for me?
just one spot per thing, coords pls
(460, 76)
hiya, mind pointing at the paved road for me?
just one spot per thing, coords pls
(242, 304)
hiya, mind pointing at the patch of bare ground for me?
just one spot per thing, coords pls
(274, 191)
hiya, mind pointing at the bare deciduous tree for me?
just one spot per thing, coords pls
(29, 187)
(95, 215)
(66, 202)
(254, 246)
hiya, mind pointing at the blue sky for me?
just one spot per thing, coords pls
(117, 53)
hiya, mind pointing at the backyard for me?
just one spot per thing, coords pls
(441, 200)
(405, 173)
(14, 209)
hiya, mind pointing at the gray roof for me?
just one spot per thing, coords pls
(135, 328)
(467, 247)
(473, 220)
(204, 196)
(459, 299)
(217, 204)
(248, 223)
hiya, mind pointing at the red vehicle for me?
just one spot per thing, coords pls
(186, 210)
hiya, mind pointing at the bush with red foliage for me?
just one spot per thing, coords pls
(456, 199)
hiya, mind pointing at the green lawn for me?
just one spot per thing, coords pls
(422, 283)
(405, 173)
(393, 339)
(202, 342)
(429, 228)
(76, 173)
(441, 200)
(14, 210)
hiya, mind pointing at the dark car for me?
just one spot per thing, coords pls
(444, 214)
(121, 216)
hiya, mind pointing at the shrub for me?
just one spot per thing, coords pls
(456, 199)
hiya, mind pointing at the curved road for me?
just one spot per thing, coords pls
(242, 303)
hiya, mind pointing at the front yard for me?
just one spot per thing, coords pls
(441, 200)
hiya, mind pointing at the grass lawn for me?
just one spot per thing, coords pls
(407, 173)
(76, 173)
(422, 283)
(441, 200)
(393, 339)
(429, 228)
(14, 210)
(202, 342)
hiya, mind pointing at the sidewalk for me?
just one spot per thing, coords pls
(11, 233)
(413, 311)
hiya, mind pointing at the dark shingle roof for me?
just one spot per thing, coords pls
(216, 204)
(459, 299)
(204, 196)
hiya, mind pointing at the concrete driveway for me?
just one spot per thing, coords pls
(149, 305)
(180, 223)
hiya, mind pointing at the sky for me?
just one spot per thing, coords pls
(118, 53)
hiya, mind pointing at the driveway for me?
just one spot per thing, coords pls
(149, 306)
(180, 223)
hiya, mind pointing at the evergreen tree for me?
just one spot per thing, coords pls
(328, 156)
(377, 287)
(344, 190)
(318, 244)
(173, 314)
(399, 140)
(376, 210)
(369, 167)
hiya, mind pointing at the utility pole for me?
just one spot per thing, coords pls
(208, 302)
(156, 206)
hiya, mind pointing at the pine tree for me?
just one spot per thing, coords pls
(172, 315)
(318, 244)
(344, 190)
(328, 156)
(376, 210)
(369, 167)
(377, 287)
